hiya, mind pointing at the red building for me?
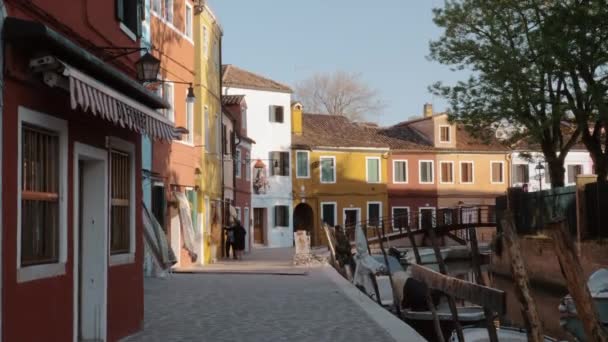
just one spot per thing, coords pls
(236, 106)
(72, 120)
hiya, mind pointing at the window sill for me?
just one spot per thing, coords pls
(37, 272)
(122, 259)
(128, 32)
(187, 143)
(426, 183)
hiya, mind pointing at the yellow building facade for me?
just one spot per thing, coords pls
(208, 41)
(339, 174)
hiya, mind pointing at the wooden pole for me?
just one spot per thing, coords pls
(443, 270)
(388, 268)
(522, 284)
(576, 282)
(489, 315)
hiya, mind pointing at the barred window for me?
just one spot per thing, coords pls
(120, 203)
(39, 196)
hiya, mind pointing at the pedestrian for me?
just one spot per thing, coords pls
(230, 242)
(239, 239)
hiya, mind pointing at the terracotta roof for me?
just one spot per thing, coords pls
(404, 138)
(233, 76)
(228, 100)
(466, 142)
(321, 130)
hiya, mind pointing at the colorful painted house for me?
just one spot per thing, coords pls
(73, 117)
(339, 173)
(208, 115)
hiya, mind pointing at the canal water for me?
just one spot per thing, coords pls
(547, 302)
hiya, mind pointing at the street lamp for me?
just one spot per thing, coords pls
(539, 173)
(148, 67)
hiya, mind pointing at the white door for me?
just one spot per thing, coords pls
(246, 226)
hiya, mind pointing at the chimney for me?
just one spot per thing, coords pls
(296, 118)
(428, 110)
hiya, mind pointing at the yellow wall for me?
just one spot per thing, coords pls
(208, 94)
(350, 190)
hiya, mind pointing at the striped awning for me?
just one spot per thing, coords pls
(94, 97)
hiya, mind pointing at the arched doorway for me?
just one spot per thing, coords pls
(303, 219)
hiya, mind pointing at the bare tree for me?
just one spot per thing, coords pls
(339, 93)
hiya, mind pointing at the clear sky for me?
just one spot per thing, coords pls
(387, 41)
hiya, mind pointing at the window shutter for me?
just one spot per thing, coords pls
(279, 114)
(141, 16)
(271, 116)
(120, 10)
(285, 163)
(276, 216)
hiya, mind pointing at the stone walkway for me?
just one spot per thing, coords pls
(259, 307)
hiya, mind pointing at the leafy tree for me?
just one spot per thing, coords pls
(515, 82)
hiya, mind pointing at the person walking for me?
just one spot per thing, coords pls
(239, 239)
(230, 242)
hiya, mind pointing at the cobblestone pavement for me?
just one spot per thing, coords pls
(254, 307)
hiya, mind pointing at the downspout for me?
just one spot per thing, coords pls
(222, 153)
(2, 16)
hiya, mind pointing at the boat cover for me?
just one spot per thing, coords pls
(157, 241)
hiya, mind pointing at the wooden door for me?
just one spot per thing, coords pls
(258, 225)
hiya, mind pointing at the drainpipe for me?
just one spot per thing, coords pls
(222, 153)
(2, 16)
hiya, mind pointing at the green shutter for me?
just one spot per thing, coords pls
(120, 10)
(302, 164)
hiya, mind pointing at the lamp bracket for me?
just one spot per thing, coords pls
(115, 52)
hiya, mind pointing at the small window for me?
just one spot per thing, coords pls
(401, 218)
(444, 134)
(188, 22)
(244, 119)
(281, 216)
(302, 164)
(373, 169)
(169, 96)
(129, 15)
(207, 130)
(328, 212)
(426, 171)
(120, 218)
(573, 171)
(276, 114)
(447, 172)
(373, 214)
(216, 57)
(400, 171)
(205, 42)
(328, 169)
(247, 167)
(280, 163)
(40, 193)
(498, 176)
(522, 174)
(168, 10)
(190, 123)
(237, 163)
(466, 172)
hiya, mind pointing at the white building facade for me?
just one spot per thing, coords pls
(269, 125)
(525, 169)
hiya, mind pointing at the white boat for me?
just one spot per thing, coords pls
(504, 335)
(466, 314)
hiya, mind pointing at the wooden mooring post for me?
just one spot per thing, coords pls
(576, 282)
(388, 268)
(522, 284)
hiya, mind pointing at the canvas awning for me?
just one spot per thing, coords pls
(98, 99)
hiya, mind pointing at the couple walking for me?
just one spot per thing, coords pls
(235, 239)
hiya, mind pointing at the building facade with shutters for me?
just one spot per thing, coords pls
(73, 117)
(339, 174)
(269, 124)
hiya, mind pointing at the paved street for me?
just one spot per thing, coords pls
(255, 307)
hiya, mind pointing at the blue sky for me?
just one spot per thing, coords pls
(387, 41)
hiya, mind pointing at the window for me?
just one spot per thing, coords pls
(159, 203)
(120, 220)
(372, 169)
(156, 6)
(426, 171)
(188, 22)
(218, 134)
(399, 171)
(205, 42)
(426, 217)
(328, 169)
(447, 172)
(447, 215)
(244, 119)
(281, 216)
(444, 134)
(225, 140)
(401, 218)
(216, 57)
(128, 14)
(190, 123)
(328, 213)
(247, 167)
(207, 129)
(302, 165)
(374, 216)
(40, 195)
(276, 114)
(168, 10)
(498, 176)
(237, 163)
(168, 96)
(573, 171)
(466, 172)
(521, 173)
(280, 163)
